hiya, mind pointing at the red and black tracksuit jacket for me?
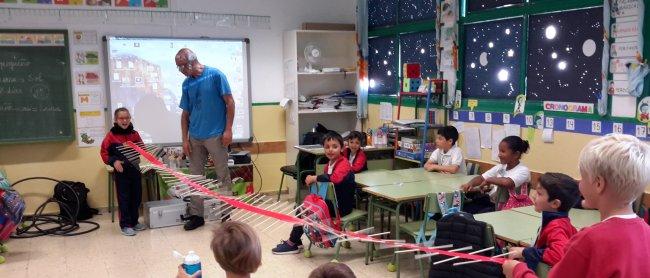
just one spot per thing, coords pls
(343, 179)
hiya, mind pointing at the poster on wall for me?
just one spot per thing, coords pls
(88, 98)
(69, 2)
(90, 126)
(643, 110)
(84, 57)
(623, 8)
(90, 136)
(98, 2)
(84, 37)
(87, 78)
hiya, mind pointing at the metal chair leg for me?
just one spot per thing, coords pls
(280, 190)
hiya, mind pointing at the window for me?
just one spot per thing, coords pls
(415, 10)
(382, 65)
(118, 64)
(116, 76)
(420, 48)
(477, 5)
(382, 13)
(492, 59)
(564, 56)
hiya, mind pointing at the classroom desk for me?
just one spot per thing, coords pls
(520, 225)
(512, 226)
(421, 174)
(318, 151)
(398, 194)
(381, 177)
(580, 218)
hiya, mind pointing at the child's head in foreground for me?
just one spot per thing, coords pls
(446, 138)
(236, 248)
(615, 169)
(556, 192)
(332, 270)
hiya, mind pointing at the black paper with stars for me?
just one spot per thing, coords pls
(382, 65)
(477, 5)
(415, 10)
(382, 13)
(420, 48)
(492, 59)
(564, 56)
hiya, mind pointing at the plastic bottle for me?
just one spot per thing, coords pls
(192, 263)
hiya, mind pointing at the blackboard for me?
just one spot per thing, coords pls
(35, 86)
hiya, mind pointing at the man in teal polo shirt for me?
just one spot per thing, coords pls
(206, 123)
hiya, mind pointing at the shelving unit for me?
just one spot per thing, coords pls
(422, 130)
(338, 50)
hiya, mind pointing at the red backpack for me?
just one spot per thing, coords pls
(318, 213)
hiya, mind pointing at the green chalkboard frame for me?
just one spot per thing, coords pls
(69, 133)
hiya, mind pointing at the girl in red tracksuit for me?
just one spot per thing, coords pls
(355, 155)
(338, 172)
(127, 176)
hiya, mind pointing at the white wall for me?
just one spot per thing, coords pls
(266, 45)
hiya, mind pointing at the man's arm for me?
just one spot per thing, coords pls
(226, 139)
(185, 122)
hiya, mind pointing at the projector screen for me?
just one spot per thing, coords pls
(143, 77)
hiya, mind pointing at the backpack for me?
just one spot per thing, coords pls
(66, 197)
(318, 211)
(12, 207)
(461, 229)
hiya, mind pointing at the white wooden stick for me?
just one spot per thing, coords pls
(456, 257)
(289, 213)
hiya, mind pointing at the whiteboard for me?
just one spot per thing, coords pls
(143, 77)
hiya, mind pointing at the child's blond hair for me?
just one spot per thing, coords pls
(622, 161)
(236, 248)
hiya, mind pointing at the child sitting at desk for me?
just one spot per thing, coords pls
(447, 158)
(355, 155)
(128, 179)
(338, 172)
(556, 195)
(496, 182)
(615, 169)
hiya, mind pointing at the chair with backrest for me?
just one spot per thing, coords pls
(472, 168)
(292, 171)
(355, 216)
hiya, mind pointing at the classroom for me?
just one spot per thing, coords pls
(337, 138)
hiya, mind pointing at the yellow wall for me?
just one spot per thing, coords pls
(560, 156)
(65, 161)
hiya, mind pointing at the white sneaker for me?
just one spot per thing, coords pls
(128, 231)
(140, 227)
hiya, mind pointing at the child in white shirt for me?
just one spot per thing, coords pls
(447, 158)
(511, 173)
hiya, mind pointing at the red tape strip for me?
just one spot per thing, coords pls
(294, 220)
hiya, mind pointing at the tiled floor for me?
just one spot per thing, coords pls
(106, 253)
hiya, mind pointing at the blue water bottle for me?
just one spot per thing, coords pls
(192, 263)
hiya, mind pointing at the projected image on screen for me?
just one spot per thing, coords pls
(143, 77)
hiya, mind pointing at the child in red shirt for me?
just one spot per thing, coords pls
(355, 155)
(128, 179)
(615, 170)
(338, 172)
(556, 195)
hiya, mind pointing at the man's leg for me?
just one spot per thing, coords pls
(219, 155)
(197, 167)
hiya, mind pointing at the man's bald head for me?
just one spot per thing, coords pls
(186, 55)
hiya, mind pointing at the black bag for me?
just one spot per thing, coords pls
(65, 195)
